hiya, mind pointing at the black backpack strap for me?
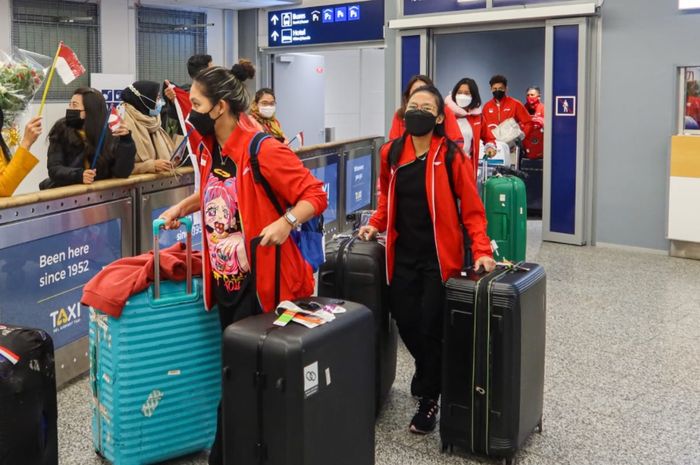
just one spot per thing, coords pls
(449, 159)
(253, 151)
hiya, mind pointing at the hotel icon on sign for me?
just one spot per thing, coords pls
(354, 13)
(328, 15)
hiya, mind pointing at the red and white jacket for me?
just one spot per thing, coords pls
(292, 182)
(496, 112)
(480, 131)
(449, 239)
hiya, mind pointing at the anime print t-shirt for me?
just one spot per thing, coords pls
(224, 233)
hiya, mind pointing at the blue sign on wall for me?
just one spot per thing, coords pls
(358, 183)
(170, 237)
(41, 281)
(348, 22)
(329, 175)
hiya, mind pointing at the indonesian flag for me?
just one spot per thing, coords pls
(300, 138)
(115, 119)
(68, 65)
(8, 354)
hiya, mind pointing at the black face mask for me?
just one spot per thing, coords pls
(202, 122)
(419, 122)
(73, 119)
(499, 94)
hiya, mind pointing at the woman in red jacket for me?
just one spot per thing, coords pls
(236, 209)
(398, 126)
(424, 243)
(465, 102)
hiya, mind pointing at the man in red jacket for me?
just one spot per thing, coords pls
(503, 107)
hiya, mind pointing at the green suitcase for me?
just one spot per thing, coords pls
(505, 201)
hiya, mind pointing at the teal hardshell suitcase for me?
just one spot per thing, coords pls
(155, 372)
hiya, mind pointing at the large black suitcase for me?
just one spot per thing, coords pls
(28, 406)
(355, 270)
(298, 396)
(493, 363)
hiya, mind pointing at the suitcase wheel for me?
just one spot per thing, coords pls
(447, 448)
(511, 461)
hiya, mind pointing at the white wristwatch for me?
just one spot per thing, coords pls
(291, 219)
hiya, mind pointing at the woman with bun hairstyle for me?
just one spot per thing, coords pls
(73, 141)
(235, 209)
(142, 105)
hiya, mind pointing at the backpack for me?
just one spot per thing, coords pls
(309, 237)
(395, 151)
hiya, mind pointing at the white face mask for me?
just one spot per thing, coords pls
(267, 112)
(463, 100)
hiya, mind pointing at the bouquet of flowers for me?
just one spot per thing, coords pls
(21, 76)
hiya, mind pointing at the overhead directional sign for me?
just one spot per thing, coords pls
(346, 22)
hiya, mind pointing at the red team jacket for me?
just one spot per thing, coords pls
(292, 182)
(495, 114)
(449, 240)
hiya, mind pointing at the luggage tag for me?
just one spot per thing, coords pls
(284, 318)
(512, 266)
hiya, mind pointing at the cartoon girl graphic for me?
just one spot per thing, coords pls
(227, 245)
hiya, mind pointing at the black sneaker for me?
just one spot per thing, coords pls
(425, 419)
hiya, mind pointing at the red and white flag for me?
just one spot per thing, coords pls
(68, 65)
(115, 119)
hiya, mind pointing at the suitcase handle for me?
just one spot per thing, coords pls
(254, 244)
(159, 224)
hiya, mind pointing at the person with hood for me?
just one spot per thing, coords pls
(14, 168)
(398, 125)
(73, 141)
(465, 103)
(263, 112)
(142, 105)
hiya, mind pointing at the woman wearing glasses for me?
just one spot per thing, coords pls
(425, 244)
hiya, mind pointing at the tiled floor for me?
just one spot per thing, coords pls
(622, 379)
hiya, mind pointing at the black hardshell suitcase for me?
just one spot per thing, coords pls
(28, 405)
(298, 396)
(355, 271)
(533, 184)
(493, 363)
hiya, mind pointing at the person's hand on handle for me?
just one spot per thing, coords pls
(32, 131)
(486, 263)
(368, 233)
(89, 176)
(169, 92)
(163, 165)
(172, 217)
(276, 233)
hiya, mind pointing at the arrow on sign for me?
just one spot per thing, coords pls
(274, 36)
(274, 20)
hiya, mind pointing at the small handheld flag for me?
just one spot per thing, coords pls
(101, 140)
(68, 66)
(115, 119)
